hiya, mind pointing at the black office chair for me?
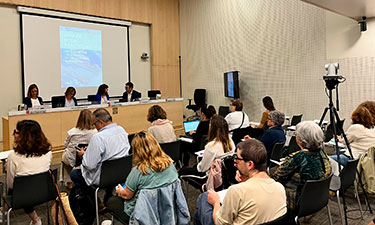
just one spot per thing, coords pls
(293, 146)
(276, 155)
(239, 133)
(224, 111)
(152, 93)
(346, 179)
(113, 172)
(30, 191)
(314, 197)
(173, 150)
(296, 119)
(203, 142)
(130, 138)
(199, 100)
(91, 98)
(282, 220)
(329, 130)
(57, 101)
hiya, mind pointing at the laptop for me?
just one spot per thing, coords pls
(189, 126)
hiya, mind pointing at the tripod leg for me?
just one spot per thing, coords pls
(324, 115)
(359, 201)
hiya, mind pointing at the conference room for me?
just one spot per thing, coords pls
(278, 48)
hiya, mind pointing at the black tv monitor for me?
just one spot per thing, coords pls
(231, 84)
(152, 93)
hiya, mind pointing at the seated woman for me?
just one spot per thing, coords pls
(161, 128)
(206, 113)
(218, 144)
(102, 96)
(361, 134)
(268, 104)
(70, 100)
(31, 155)
(33, 100)
(310, 163)
(237, 118)
(80, 134)
(152, 168)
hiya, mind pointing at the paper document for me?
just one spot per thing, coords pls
(222, 195)
(185, 139)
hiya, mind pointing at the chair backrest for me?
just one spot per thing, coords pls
(115, 171)
(277, 153)
(314, 196)
(239, 133)
(200, 97)
(293, 147)
(130, 138)
(57, 101)
(224, 111)
(329, 131)
(228, 171)
(348, 173)
(172, 149)
(152, 93)
(282, 220)
(90, 98)
(32, 190)
(203, 142)
(296, 119)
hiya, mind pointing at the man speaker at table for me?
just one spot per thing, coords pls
(130, 95)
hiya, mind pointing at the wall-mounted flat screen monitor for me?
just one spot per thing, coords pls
(231, 84)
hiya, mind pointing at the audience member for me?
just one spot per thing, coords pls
(237, 118)
(161, 128)
(70, 100)
(111, 142)
(152, 168)
(370, 105)
(218, 144)
(202, 130)
(274, 133)
(268, 104)
(32, 99)
(130, 95)
(80, 134)
(31, 155)
(256, 199)
(310, 163)
(361, 134)
(102, 96)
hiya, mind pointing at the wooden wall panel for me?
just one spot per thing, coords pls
(163, 15)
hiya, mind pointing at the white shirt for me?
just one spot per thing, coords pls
(130, 96)
(69, 104)
(360, 139)
(234, 120)
(35, 102)
(104, 100)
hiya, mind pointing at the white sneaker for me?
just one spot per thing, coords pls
(107, 222)
(39, 222)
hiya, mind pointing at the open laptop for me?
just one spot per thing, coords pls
(189, 126)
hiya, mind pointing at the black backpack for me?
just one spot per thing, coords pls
(82, 203)
(228, 172)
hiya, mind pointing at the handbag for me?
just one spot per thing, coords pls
(60, 211)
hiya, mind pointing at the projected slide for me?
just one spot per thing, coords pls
(230, 85)
(81, 57)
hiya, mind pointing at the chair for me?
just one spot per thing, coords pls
(152, 93)
(314, 196)
(293, 146)
(130, 138)
(224, 111)
(228, 171)
(239, 133)
(282, 220)
(295, 120)
(199, 100)
(346, 179)
(91, 98)
(277, 154)
(329, 131)
(113, 172)
(31, 190)
(173, 150)
(57, 101)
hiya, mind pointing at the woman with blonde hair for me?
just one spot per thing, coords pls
(152, 168)
(80, 134)
(219, 143)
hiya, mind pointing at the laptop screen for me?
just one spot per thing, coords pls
(191, 125)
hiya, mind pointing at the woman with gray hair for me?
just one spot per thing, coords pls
(310, 163)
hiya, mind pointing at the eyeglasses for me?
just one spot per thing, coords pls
(15, 132)
(235, 157)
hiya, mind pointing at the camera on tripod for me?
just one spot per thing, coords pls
(332, 78)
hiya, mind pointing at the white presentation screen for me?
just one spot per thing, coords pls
(58, 53)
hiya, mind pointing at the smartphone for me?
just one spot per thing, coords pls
(124, 186)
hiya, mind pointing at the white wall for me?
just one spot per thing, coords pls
(10, 59)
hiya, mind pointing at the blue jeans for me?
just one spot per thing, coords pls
(343, 159)
(203, 215)
(78, 180)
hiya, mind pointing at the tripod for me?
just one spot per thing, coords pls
(331, 83)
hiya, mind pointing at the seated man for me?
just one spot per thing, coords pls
(274, 133)
(111, 142)
(130, 95)
(256, 199)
